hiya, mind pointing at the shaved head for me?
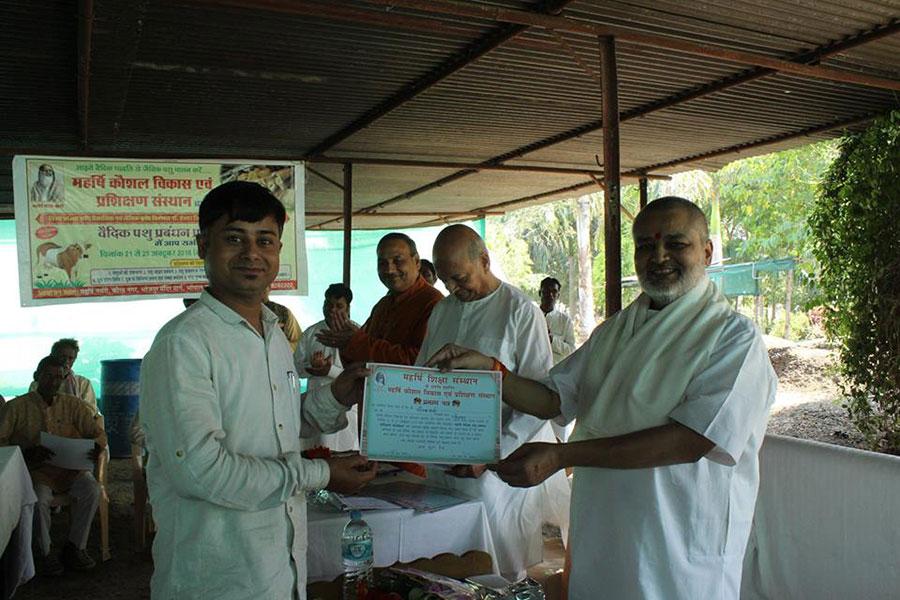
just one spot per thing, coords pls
(667, 203)
(462, 262)
(459, 238)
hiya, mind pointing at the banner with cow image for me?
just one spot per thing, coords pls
(93, 229)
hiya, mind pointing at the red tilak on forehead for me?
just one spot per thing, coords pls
(657, 235)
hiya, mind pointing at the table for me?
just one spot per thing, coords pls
(400, 535)
(16, 511)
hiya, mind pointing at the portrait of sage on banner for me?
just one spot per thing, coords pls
(93, 229)
(415, 414)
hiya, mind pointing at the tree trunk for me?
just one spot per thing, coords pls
(572, 287)
(757, 309)
(586, 320)
(788, 292)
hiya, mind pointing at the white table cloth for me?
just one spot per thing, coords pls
(16, 511)
(399, 535)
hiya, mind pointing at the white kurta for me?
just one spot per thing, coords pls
(563, 333)
(674, 532)
(222, 412)
(348, 437)
(508, 326)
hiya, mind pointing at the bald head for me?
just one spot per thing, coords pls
(694, 215)
(459, 239)
(462, 262)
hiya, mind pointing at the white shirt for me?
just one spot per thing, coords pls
(675, 532)
(505, 325)
(348, 437)
(222, 413)
(562, 334)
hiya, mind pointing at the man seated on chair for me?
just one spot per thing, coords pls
(49, 410)
(73, 385)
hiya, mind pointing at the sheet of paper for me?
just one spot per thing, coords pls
(366, 503)
(415, 414)
(69, 453)
(417, 496)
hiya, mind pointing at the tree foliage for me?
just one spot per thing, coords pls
(857, 242)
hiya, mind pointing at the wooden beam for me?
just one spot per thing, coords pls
(520, 17)
(348, 220)
(417, 213)
(612, 219)
(849, 122)
(452, 64)
(434, 164)
(325, 177)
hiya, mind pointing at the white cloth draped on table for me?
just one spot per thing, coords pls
(509, 327)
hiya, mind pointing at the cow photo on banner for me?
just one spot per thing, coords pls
(91, 229)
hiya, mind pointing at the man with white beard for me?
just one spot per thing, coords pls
(671, 397)
(499, 320)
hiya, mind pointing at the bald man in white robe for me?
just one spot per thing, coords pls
(501, 321)
(672, 397)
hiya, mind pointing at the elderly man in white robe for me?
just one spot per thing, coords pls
(501, 321)
(672, 397)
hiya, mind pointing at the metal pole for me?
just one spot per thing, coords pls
(642, 186)
(612, 220)
(348, 219)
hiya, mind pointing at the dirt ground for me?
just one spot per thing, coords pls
(807, 406)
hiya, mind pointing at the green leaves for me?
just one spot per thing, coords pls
(856, 239)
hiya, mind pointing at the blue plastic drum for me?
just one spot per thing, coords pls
(120, 388)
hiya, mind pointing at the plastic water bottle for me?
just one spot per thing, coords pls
(356, 555)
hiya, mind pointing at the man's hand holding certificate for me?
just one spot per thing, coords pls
(423, 415)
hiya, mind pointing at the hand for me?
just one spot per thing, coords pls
(319, 364)
(349, 474)
(467, 471)
(335, 338)
(452, 357)
(342, 322)
(529, 465)
(37, 454)
(348, 386)
(95, 452)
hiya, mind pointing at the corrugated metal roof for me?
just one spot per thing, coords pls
(227, 78)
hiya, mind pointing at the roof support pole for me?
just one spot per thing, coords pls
(348, 219)
(612, 219)
(642, 186)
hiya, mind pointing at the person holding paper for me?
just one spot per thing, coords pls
(672, 397)
(322, 364)
(223, 416)
(74, 385)
(396, 327)
(47, 410)
(499, 320)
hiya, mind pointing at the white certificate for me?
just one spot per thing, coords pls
(69, 453)
(414, 414)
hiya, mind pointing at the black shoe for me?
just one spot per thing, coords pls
(49, 566)
(76, 559)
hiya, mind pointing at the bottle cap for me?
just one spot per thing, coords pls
(355, 515)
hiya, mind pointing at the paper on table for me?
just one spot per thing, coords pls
(366, 503)
(69, 453)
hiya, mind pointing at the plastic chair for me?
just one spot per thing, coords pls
(64, 500)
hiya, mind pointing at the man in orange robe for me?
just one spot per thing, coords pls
(396, 327)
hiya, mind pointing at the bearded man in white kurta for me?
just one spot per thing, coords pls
(671, 397)
(483, 312)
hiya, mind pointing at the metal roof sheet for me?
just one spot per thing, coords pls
(276, 79)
